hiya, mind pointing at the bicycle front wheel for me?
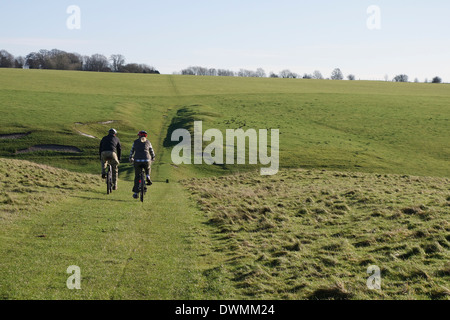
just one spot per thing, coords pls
(142, 186)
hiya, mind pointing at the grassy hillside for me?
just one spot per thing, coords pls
(26, 186)
(341, 125)
(308, 234)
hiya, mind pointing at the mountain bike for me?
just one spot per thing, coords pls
(142, 185)
(109, 183)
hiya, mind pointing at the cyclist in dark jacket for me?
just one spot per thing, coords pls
(142, 155)
(110, 152)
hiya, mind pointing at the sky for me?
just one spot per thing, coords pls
(400, 37)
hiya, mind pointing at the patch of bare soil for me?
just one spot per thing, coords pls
(50, 147)
(85, 134)
(14, 135)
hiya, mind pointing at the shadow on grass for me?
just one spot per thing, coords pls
(103, 199)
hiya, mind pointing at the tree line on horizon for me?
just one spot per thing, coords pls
(287, 74)
(61, 60)
(260, 73)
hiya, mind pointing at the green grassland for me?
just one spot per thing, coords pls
(364, 181)
(53, 218)
(310, 234)
(357, 126)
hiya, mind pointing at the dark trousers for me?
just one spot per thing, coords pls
(137, 173)
(109, 157)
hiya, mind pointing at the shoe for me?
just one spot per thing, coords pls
(103, 175)
(115, 188)
(149, 182)
(135, 196)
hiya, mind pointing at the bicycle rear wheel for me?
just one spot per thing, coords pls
(142, 186)
(109, 180)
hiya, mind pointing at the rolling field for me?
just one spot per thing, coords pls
(357, 126)
(364, 181)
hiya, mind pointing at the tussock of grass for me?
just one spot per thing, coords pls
(306, 234)
(335, 292)
(25, 186)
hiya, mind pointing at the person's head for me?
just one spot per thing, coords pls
(112, 132)
(143, 135)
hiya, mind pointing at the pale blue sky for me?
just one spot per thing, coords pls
(302, 36)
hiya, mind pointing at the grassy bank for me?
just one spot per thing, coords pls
(308, 234)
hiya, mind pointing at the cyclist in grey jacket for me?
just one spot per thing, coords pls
(142, 155)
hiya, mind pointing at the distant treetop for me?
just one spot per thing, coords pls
(60, 60)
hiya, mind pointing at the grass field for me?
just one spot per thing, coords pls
(125, 250)
(364, 181)
(357, 126)
(309, 234)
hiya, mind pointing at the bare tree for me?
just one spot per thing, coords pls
(19, 62)
(201, 71)
(61, 60)
(53, 59)
(57, 59)
(44, 58)
(288, 74)
(96, 62)
(75, 61)
(117, 62)
(196, 71)
(132, 68)
(351, 77)
(187, 72)
(225, 73)
(242, 73)
(34, 60)
(317, 75)
(212, 72)
(148, 69)
(30, 61)
(337, 74)
(260, 73)
(248, 73)
(6, 59)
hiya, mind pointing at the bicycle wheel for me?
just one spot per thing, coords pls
(142, 186)
(109, 180)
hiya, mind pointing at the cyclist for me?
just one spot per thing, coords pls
(142, 155)
(110, 151)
